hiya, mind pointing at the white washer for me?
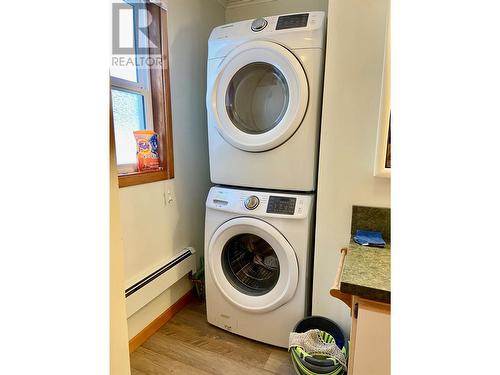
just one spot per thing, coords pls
(258, 261)
(264, 90)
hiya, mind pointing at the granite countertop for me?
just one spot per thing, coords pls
(367, 272)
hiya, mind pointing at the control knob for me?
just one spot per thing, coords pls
(259, 24)
(252, 202)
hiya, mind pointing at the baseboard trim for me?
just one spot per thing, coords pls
(156, 324)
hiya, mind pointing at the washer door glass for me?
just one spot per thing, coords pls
(257, 98)
(250, 264)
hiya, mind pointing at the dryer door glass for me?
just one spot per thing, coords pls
(250, 264)
(257, 98)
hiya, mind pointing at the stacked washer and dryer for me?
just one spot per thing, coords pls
(264, 89)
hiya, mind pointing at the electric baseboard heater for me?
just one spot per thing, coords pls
(142, 291)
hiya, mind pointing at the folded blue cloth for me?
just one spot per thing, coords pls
(369, 238)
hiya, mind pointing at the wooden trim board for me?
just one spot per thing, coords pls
(335, 289)
(139, 178)
(156, 324)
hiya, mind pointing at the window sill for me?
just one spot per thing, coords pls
(139, 178)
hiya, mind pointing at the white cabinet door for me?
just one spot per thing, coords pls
(370, 351)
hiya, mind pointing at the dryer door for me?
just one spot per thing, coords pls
(252, 264)
(259, 97)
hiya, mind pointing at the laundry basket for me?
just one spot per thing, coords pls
(312, 364)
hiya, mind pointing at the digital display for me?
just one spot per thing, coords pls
(292, 21)
(281, 205)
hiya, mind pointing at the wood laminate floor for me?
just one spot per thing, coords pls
(187, 344)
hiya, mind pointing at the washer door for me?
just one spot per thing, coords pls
(259, 97)
(252, 264)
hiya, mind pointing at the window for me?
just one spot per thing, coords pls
(140, 87)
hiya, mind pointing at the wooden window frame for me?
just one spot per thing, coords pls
(161, 104)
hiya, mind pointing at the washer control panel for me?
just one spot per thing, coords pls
(260, 203)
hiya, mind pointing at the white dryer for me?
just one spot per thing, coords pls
(258, 262)
(264, 94)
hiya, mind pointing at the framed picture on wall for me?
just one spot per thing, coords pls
(388, 148)
(382, 164)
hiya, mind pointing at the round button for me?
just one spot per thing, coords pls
(259, 24)
(252, 202)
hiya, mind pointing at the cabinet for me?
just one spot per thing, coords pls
(370, 343)
(370, 339)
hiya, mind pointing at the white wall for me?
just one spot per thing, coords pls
(273, 8)
(153, 229)
(353, 79)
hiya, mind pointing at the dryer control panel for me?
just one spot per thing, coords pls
(260, 203)
(293, 31)
(292, 21)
